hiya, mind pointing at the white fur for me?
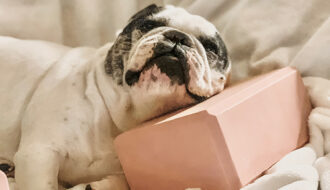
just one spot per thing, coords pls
(192, 24)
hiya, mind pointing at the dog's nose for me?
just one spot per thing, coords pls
(178, 37)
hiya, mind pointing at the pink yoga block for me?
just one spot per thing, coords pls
(222, 143)
(3, 181)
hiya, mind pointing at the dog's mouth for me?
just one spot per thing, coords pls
(169, 65)
(166, 58)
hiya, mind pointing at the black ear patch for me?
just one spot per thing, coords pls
(219, 51)
(140, 21)
(149, 10)
(210, 44)
(114, 63)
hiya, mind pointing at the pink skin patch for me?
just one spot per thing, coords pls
(156, 93)
(152, 76)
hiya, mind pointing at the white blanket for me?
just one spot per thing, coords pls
(260, 35)
(302, 169)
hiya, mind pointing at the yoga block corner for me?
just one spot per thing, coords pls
(3, 181)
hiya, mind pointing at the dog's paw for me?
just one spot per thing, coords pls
(12, 184)
(7, 167)
(88, 187)
(82, 187)
(116, 182)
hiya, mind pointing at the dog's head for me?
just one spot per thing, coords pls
(167, 55)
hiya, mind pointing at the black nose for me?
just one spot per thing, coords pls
(178, 37)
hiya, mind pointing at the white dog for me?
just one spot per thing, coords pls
(62, 107)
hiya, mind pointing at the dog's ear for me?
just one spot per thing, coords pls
(149, 10)
(114, 63)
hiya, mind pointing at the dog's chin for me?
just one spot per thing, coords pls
(161, 72)
(161, 89)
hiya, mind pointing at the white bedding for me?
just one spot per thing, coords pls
(302, 169)
(260, 36)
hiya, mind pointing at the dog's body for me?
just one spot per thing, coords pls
(61, 108)
(55, 103)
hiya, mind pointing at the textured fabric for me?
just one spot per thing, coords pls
(260, 36)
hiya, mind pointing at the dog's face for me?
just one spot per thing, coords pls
(167, 55)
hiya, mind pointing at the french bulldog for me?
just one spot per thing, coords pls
(62, 107)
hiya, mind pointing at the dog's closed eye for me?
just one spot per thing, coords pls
(209, 44)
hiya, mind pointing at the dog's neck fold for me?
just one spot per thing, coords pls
(116, 98)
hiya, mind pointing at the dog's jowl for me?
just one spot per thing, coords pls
(62, 107)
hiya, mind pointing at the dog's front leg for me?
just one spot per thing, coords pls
(37, 168)
(112, 182)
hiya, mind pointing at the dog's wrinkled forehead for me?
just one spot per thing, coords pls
(184, 21)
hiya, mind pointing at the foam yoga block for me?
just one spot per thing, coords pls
(222, 143)
(3, 181)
